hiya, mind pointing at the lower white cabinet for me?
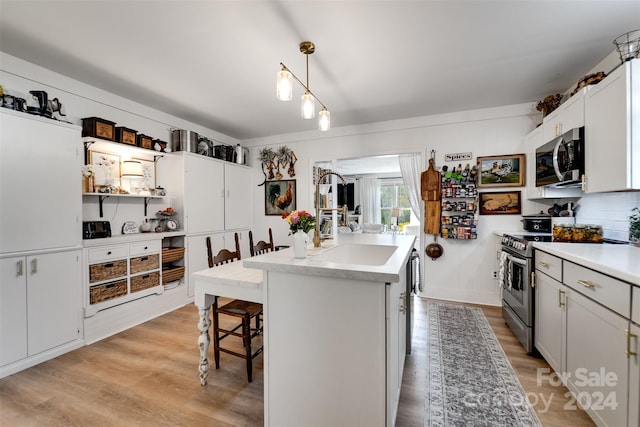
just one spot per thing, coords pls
(39, 303)
(584, 330)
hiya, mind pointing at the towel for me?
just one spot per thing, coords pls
(504, 278)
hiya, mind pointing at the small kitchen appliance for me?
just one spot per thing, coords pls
(96, 229)
(560, 162)
(538, 223)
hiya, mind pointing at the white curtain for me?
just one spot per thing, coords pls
(370, 200)
(411, 170)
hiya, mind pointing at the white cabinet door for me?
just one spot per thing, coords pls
(396, 344)
(634, 376)
(532, 141)
(596, 360)
(13, 310)
(196, 255)
(243, 240)
(237, 206)
(549, 319)
(40, 183)
(612, 136)
(569, 115)
(204, 194)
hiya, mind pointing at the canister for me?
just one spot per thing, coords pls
(184, 140)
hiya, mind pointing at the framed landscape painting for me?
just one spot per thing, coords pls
(501, 203)
(501, 171)
(279, 197)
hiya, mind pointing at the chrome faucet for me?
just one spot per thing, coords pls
(316, 234)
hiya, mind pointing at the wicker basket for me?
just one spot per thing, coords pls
(171, 274)
(144, 263)
(145, 281)
(172, 254)
(107, 291)
(107, 270)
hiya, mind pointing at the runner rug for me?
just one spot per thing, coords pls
(470, 380)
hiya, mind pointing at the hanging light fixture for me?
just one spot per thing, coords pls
(284, 90)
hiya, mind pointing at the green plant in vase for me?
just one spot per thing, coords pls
(634, 226)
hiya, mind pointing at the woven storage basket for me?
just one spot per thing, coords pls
(107, 291)
(144, 263)
(107, 270)
(169, 275)
(172, 254)
(145, 281)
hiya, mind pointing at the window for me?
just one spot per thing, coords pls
(393, 194)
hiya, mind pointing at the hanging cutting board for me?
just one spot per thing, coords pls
(430, 186)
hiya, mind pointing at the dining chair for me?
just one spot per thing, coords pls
(261, 247)
(241, 310)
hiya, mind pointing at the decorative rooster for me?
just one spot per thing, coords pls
(278, 200)
(501, 171)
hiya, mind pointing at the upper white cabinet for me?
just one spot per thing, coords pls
(567, 116)
(612, 131)
(532, 141)
(237, 203)
(40, 184)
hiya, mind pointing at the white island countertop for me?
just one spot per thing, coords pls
(618, 261)
(314, 265)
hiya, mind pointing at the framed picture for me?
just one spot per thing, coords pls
(501, 171)
(279, 197)
(106, 168)
(148, 181)
(500, 203)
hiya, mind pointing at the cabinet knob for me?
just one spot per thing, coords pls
(146, 247)
(109, 253)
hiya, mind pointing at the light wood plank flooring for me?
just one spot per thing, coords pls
(148, 376)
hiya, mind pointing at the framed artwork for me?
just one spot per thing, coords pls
(500, 203)
(501, 171)
(148, 181)
(106, 168)
(279, 197)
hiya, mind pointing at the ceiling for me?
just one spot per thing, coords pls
(214, 63)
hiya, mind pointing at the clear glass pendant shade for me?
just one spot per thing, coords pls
(325, 120)
(284, 86)
(308, 106)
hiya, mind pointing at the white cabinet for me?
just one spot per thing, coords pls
(237, 204)
(567, 116)
(39, 302)
(396, 345)
(532, 141)
(612, 131)
(40, 185)
(634, 374)
(204, 194)
(550, 320)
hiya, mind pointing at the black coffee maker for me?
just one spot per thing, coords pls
(42, 99)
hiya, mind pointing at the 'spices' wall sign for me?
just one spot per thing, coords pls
(454, 157)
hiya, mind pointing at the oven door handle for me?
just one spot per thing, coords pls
(515, 260)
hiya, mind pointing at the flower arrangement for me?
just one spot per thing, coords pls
(299, 220)
(634, 226)
(88, 172)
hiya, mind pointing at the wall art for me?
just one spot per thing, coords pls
(501, 171)
(280, 197)
(500, 203)
(107, 169)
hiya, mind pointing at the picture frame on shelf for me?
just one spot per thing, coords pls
(501, 171)
(500, 203)
(148, 181)
(280, 197)
(106, 167)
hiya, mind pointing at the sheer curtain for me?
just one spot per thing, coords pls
(411, 170)
(370, 198)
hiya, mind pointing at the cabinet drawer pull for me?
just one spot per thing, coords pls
(108, 265)
(20, 266)
(560, 294)
(586, 283)
(144, 258)
(543, 264)
(403, 302)
(109, 253)
(533, 279)
(146, 276)
(629, 335)
(34, 266)
(146, 247)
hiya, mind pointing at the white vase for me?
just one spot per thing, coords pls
(300, 244)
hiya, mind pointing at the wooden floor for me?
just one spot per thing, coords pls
(148, 376)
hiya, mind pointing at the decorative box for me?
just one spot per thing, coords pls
(126, 135)
(159, 145)
(145, 141)
(99, 128)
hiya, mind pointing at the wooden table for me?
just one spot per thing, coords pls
(231, 280)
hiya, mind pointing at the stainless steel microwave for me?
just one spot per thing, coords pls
(560, 162)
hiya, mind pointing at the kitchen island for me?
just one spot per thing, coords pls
(335, 331)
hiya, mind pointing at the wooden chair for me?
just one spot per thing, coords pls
(238, 309)
(261, 247)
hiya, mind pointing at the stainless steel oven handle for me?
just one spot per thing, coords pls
(515, 260)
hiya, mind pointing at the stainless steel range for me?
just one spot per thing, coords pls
(516, 268)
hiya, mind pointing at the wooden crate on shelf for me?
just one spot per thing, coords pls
(172, 274)
(172, 254)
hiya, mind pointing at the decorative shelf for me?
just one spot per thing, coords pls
(101, 196)
(119, 147)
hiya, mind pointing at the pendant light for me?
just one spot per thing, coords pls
(284, 90)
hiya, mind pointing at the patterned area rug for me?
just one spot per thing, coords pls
(471, 382)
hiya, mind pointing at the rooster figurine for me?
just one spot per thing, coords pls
(280, 201)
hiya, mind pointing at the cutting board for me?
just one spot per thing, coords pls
(430, 186)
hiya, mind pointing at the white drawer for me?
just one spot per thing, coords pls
(145, 248)
(107, 253)
(612, 293)
(635, 308)
(548, 264)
